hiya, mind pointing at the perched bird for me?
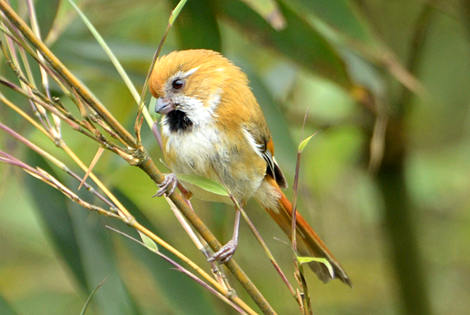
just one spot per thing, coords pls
(212, 126)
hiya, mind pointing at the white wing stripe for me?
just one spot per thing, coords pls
(255, 146)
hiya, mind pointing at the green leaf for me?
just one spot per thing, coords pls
(151, 107)
(176, 11)
(149, 243)
(46, 13)
(342, 15)
(108, 52)
(99, 260)
(304, 142)
(5, 307)
(115, 61)
(299, 41)
(182, 294)
(269, 10)
(196, 26)
(204, 183)
(88, 300)
(306, 260)
(51, 206)
(80, 238)
(341, 24)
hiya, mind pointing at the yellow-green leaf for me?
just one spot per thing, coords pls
(307, 259)
(151, 107)
(304, 142)
(149, 243)
(204, 183)
(176, 11)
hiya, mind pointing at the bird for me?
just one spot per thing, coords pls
(213, 127)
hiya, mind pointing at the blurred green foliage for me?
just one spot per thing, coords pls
(52, 253)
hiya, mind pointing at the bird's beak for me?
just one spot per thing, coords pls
(164, 106)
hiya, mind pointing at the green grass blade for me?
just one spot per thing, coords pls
(176, 11)
(115, 62)
(88, 300)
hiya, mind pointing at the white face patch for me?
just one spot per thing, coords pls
(199, 113)
(194, 109)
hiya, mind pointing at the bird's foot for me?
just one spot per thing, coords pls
(167, 187)
(225, 253)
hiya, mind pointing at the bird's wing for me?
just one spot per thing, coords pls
(262, 143)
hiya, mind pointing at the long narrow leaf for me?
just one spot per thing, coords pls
(51, 207)
(204, 183)
(90, 297)
(99, 261)
(46, 12)
(183, 295)
(298, 41)
(115, 62)
(203, 20)
(6, 308)
(340, 14)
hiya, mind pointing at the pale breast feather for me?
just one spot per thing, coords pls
(193, 150)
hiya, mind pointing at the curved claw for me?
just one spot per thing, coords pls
(167, 187)
(225, 253)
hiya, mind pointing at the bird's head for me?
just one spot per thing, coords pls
(190, 85)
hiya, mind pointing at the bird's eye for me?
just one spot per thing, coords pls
(177, 84)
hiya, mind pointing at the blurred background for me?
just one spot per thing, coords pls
(385, 182)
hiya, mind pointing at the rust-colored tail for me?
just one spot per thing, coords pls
(308, 242)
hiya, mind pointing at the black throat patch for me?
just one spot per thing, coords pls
(178, 121)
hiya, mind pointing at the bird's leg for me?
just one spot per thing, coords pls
(226, 252)
(167, 186)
